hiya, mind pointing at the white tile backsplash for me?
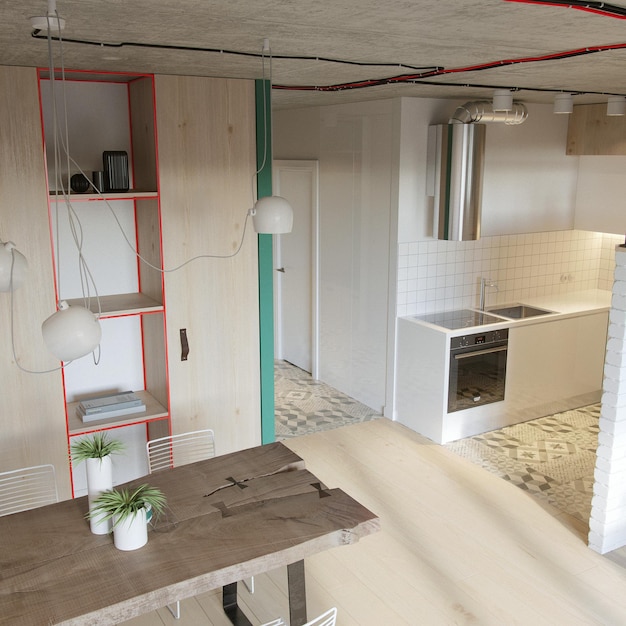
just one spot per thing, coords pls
(445, 275)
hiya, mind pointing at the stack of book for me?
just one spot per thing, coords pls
(114, 405)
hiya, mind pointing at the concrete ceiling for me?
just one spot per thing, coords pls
(408, 34)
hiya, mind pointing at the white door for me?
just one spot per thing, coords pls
(296, 266)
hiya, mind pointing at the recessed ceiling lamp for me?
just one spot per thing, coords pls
(502, 100)
(616, 105)
(563, 103)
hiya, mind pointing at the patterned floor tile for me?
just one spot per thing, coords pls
(304, 405)
(552, 457)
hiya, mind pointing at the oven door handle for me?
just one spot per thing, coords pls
(467, 355)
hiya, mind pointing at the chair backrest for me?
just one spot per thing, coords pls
(27, 488)
(176, 450)
(329, 618)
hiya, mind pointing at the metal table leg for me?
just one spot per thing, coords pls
(231, 608)
(297, 598)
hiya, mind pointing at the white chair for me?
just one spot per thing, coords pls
(177, 450)
(27, 488)
(329, 618)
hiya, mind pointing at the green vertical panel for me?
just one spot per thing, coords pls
(266, 261)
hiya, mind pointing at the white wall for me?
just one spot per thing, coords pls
(353, 144)
(601, 194)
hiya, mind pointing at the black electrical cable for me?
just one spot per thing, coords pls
(135, 44)
(437, 83)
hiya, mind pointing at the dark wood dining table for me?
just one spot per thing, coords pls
(227, 518)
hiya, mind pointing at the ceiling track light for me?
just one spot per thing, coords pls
(616, 105)
(563, 103)
(503, 100)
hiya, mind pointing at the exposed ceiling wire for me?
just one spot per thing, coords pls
(421, 73)
(411, 78)
(599, 8)
(36, 34)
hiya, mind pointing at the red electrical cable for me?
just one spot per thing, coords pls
(598, 8)
(406, 78)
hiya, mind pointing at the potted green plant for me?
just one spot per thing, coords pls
(96, 451)
(127, 509)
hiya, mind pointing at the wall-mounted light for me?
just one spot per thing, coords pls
(13, 266)
(563, 103)
(616, 105)
(502, 100)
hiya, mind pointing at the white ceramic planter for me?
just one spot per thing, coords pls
(99, 479)
(131, 533)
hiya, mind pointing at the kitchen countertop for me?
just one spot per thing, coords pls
(564, 305)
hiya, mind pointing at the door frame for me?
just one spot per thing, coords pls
(311, 166)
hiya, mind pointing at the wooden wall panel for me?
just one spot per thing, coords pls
(32, 417)
(206, 138)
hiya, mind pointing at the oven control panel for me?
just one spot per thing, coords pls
(477, 339)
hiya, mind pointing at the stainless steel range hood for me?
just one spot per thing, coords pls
(455, 168)
(457, 157)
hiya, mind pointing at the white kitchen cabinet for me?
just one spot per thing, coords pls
(555, 365)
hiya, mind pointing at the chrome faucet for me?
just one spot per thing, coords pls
(484, 283)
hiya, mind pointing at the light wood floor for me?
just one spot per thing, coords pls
(458, 546)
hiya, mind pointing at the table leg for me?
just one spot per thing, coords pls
(231, 608)
(297, 593)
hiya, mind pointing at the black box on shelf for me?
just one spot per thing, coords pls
(115, 164)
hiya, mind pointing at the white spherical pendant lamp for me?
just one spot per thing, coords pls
(71, 332)
(272, 215)
(11, 262)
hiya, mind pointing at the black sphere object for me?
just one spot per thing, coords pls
(79, 183)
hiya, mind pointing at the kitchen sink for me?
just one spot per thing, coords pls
(519, 311)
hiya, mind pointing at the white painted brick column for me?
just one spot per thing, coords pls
(607, 526)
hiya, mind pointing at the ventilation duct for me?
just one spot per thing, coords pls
(455, 167)
(482, 111)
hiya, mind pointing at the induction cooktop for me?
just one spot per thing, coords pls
(463, 318)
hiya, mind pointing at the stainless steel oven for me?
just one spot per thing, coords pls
(477, 369)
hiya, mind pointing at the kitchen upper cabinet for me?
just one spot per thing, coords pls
(206, 130)
(592, 132)
(32, 420)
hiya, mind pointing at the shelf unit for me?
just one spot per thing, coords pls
(112, 112)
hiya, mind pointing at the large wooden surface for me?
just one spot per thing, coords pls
(32, 419)
(228, 518)
(457, 545)
(206, 138)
